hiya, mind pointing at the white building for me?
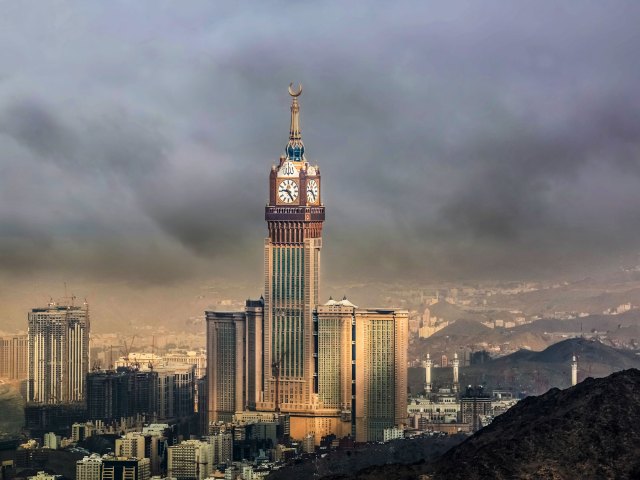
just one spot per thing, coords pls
(393, 433)
(89, 468)
(51, 440)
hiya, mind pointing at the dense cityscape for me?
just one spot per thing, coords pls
(281, 381)
(450, 298)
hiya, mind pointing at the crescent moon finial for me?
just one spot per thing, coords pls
(295, 94)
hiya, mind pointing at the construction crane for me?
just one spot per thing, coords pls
(127, 350)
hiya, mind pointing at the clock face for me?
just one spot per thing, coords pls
(312, 191)
(288, 191)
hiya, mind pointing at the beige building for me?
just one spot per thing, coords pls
(131, 445)
(89, 468)
(225, 371)
(381, 372)
(58, 353)
(190, 460)
(361, 368)
(14, 353)
(339, 370)
(222, 444)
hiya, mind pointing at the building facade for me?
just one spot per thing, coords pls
(89, 468)
(190, 460)
(14, 354)
(225, 371)
(58, 353)
(361, 367)
(122, 468)
(122, 393)
(331, 369)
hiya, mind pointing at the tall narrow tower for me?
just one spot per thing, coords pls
(574, 371)
(427, 374)
(294, 216)
(456, 366)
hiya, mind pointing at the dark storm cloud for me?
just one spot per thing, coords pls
(473, 140)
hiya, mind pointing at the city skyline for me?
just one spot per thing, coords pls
(476, 272)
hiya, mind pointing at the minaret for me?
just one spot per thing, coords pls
(427, 375)
(574, 371)
(456, 365)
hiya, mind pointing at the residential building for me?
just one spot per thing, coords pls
(122, 468)
(58, 353)
(190, 460)
(89, 468)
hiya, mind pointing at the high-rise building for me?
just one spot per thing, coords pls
(294, 215)
(361, 368)
(190, 460)
(14, 355)
(225, 366)
(58, 353)
(277, 355)
(122, 393)
(222, 443)
(175, 390)
(381, 342)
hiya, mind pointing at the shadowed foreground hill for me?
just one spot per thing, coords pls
(587, 431)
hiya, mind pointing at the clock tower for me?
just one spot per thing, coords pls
(294, 216)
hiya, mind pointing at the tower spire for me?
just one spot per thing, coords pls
(295, 147)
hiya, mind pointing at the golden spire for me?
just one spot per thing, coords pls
(295, 147)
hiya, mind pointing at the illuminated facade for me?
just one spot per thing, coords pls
(285, 352)
(14, 357)
(361, 367)
(294, 218)
(58, 353)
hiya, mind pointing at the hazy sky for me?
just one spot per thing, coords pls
(479, 140)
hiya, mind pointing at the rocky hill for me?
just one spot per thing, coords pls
(588, 431)
(584, 432)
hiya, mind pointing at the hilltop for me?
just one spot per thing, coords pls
(535, 372)
(586, 431)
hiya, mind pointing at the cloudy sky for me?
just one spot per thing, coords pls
(477, 140)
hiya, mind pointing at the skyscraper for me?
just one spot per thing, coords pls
(294, 216)
(225, 365)
(14, 354)
(361, 358)
(58, 353)
(279, 354)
